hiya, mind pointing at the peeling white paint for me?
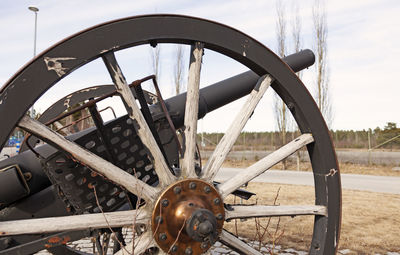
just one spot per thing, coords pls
(66, 102)
(332, 172)
(55, 64)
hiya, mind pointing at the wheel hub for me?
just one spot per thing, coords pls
(188, 217)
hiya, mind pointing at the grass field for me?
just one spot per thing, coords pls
(345, 168)
(370, 221)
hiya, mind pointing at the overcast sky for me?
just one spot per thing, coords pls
(363, 49)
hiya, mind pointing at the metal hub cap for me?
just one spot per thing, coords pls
(188, 217)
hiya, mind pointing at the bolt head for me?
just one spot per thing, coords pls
(174, 248)
(192, 185)
(177, 189)
(188, 251)
(219, 216)
(204, 245)
(163, 237)
(217, 201)
(165, 202)
(207, 189)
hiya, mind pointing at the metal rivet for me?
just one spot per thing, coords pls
(163, 237)
(174, 248)
(165, 203)
(217, 201)
(207, 189)
(219, 216)
(188, 251)
(177, 189)
(204, 246)
(192, 185)
(159, 220)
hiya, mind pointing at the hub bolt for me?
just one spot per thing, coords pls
(219, 216)
(174, 248)
(204, 245)
(188, 251)
(163, 237)
(192, 185)
(177, 190)
(165, 202)
(217, 201)
(207, 189)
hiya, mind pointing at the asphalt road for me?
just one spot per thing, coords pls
(383, 184)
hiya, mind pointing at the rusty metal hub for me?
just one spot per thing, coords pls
(188, 217)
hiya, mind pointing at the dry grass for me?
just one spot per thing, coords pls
(345, 168)
(370, 222)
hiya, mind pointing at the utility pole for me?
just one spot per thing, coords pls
(35, 10)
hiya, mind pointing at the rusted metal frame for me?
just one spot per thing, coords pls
(88, 104)
(167, 115)
(161, 167)
(98, 122)
(89, 159)
(86, 117)
(47, 242)
(147, 115)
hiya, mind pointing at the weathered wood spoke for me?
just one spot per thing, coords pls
(91, 160)
(264, 164)
(236, 244)
(160, 165)
(191, 110)
(141, 244)
(225, 145)
(252, 211)
(75, 222)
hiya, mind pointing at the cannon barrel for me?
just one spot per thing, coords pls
(224, 92)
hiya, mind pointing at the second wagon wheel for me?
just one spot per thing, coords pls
(184, 213)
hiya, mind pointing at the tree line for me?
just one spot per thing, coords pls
(387, 137)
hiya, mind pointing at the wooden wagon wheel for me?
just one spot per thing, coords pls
(184, 214)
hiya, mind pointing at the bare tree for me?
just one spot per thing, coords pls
(296, 38)
(179, 70)
(322, 73)
(281, 112)
(155, 62)
(296, 30)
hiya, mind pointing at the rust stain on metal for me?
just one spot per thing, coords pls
(54, 239)
(56, 64)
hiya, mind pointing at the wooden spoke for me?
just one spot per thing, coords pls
(225, 145)
(264, 164)
(191, 110)
(141, 244)
(160, 165)
(75, 222)
(236, 244)
(252, 211)
(98, 164)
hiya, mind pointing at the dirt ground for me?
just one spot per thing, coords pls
(370, 222)
(345, 168)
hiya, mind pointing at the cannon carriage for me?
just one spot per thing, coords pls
(142, 169)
